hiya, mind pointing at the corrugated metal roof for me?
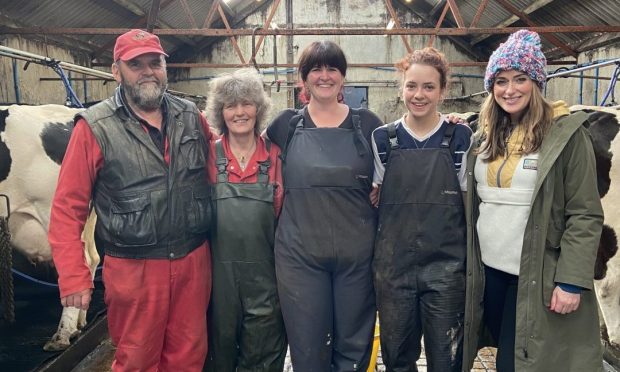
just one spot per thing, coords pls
(540, 12)
(173, 14)
(108, 14)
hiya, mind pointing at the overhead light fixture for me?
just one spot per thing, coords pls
(408, 1)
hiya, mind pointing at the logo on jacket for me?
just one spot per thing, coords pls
(449, 192)
(530, 164)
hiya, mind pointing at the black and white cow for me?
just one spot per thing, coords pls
(604, 129)
(33, 141)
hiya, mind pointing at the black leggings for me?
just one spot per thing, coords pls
(500, 304)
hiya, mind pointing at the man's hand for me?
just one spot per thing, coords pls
(81, 299)
(563, 302)
(374, 195)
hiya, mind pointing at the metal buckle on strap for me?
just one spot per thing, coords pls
(263, 167)
(447, 136)
(394, 143)
(393, 138)
(221, 164)
(300, 123)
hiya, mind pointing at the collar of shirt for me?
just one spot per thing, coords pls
(121, 102)
(251, 169)
(157, 136)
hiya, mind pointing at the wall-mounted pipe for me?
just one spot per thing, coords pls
(85, 90)
(612, 86)
(16, 82)
(31, 57)
(596, 71)
(581, 87)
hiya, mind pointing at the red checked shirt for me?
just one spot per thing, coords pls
(70, 207)
(250, 174)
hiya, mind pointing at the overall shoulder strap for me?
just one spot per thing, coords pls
(391, 129)
(392, 140)
(296, 121)
(221, 162)
(359, 136)
(446, 142)
(263, 166)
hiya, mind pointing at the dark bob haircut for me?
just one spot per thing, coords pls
(319, 54)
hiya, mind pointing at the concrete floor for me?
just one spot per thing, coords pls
(100, 360)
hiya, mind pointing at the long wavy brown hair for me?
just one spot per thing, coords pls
(496, 127)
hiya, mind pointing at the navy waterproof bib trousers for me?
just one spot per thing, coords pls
(246, 330)
(419, 264)
(323, 248)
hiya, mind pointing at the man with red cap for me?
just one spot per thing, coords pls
(139, 158)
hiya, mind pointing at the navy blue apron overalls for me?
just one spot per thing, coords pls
(324, 246)
(419, 264)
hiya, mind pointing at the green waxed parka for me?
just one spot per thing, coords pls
(560, 244)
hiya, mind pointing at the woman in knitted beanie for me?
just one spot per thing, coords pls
(534, 219)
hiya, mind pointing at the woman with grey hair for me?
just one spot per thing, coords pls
(246, 331)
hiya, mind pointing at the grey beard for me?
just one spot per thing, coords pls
(147, 98)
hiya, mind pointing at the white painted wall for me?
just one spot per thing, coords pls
(34, 91)
(383, 96)
(567, 89)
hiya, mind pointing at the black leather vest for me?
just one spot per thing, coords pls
(145, 207)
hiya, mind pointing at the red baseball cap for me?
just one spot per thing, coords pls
(136, 42)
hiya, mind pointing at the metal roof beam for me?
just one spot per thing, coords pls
(456, 13)
(139, 23)
(232, 37)
(8, 24)
(594, 42)
(274, 7)
(512, 19)
(186, 53)
(152, 19)
(431, 41)
(437, 8)
(447, 31)
(211, 14)
(188, 13)
(143, 20)
(351, 65)
(552, 38)
(424, 11)
(481, 8)
(388, 4)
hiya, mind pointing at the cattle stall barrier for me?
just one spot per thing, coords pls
(95, 333)
(50, 62)
(564, 72)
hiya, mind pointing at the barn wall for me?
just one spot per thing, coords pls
(568, 89)
(383, 93)
(34, 91)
